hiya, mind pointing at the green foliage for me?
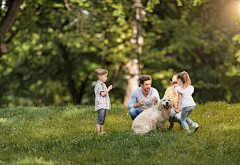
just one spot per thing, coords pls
(236, 38)
(151, 4)
(65, 51)
(197, 44)
(54, 48)
(66, 134)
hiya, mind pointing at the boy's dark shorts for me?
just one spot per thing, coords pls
(101, 116)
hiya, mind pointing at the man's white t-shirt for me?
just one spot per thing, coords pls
(187, 99)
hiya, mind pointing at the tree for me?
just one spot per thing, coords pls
(7, 21)
(57, 45)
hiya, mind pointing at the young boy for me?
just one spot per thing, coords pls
(102, 101)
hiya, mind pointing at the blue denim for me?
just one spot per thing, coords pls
(101, 116)
(134, 112)
(186, 111)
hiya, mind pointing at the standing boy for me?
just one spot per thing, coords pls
(102, 101)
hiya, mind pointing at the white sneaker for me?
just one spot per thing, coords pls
(195, 127)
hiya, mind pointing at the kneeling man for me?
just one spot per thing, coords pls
(142, 97)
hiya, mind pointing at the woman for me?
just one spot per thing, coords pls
(174, 117)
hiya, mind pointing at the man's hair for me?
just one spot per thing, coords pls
(145, 78)
(99, 72)
(185, 79)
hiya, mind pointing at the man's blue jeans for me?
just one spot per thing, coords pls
(186, 111)
(133, 112)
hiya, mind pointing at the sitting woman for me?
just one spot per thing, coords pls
(174, 117)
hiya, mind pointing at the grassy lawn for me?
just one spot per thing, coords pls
(66, 135)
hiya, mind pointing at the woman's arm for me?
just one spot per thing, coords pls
(179, 101)
(166, 94)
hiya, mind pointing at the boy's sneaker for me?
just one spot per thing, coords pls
(195, 127)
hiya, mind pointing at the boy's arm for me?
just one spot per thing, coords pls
(103, 93)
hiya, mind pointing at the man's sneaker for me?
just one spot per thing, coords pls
(195, 127)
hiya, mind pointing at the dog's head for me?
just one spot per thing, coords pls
(165, 103)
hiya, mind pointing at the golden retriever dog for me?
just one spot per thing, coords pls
(153, 118)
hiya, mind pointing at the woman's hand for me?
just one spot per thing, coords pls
(177, 110)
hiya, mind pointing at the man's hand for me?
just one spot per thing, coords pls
(141, 102)
(155, 99)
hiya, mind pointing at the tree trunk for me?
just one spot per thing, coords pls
(114, 77)
(82, 90)
(68, 69)
(7, 22)
(132, 70)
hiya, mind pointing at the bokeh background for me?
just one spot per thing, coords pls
(54, 47)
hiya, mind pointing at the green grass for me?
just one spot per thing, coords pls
(66, 135)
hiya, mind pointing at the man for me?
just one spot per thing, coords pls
(142, 97)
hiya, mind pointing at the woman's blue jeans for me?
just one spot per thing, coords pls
(186, 111)
(174, 117)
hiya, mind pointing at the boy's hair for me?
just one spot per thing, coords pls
(145, 78)
(99, 72)
(185, 79)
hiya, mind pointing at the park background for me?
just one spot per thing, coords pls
(50, 49)
(55, 46)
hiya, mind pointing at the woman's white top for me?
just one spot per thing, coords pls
(187, 99)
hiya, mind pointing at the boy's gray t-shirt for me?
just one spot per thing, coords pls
(137, 95)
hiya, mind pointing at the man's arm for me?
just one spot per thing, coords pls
(132, 103)
(141, 103)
